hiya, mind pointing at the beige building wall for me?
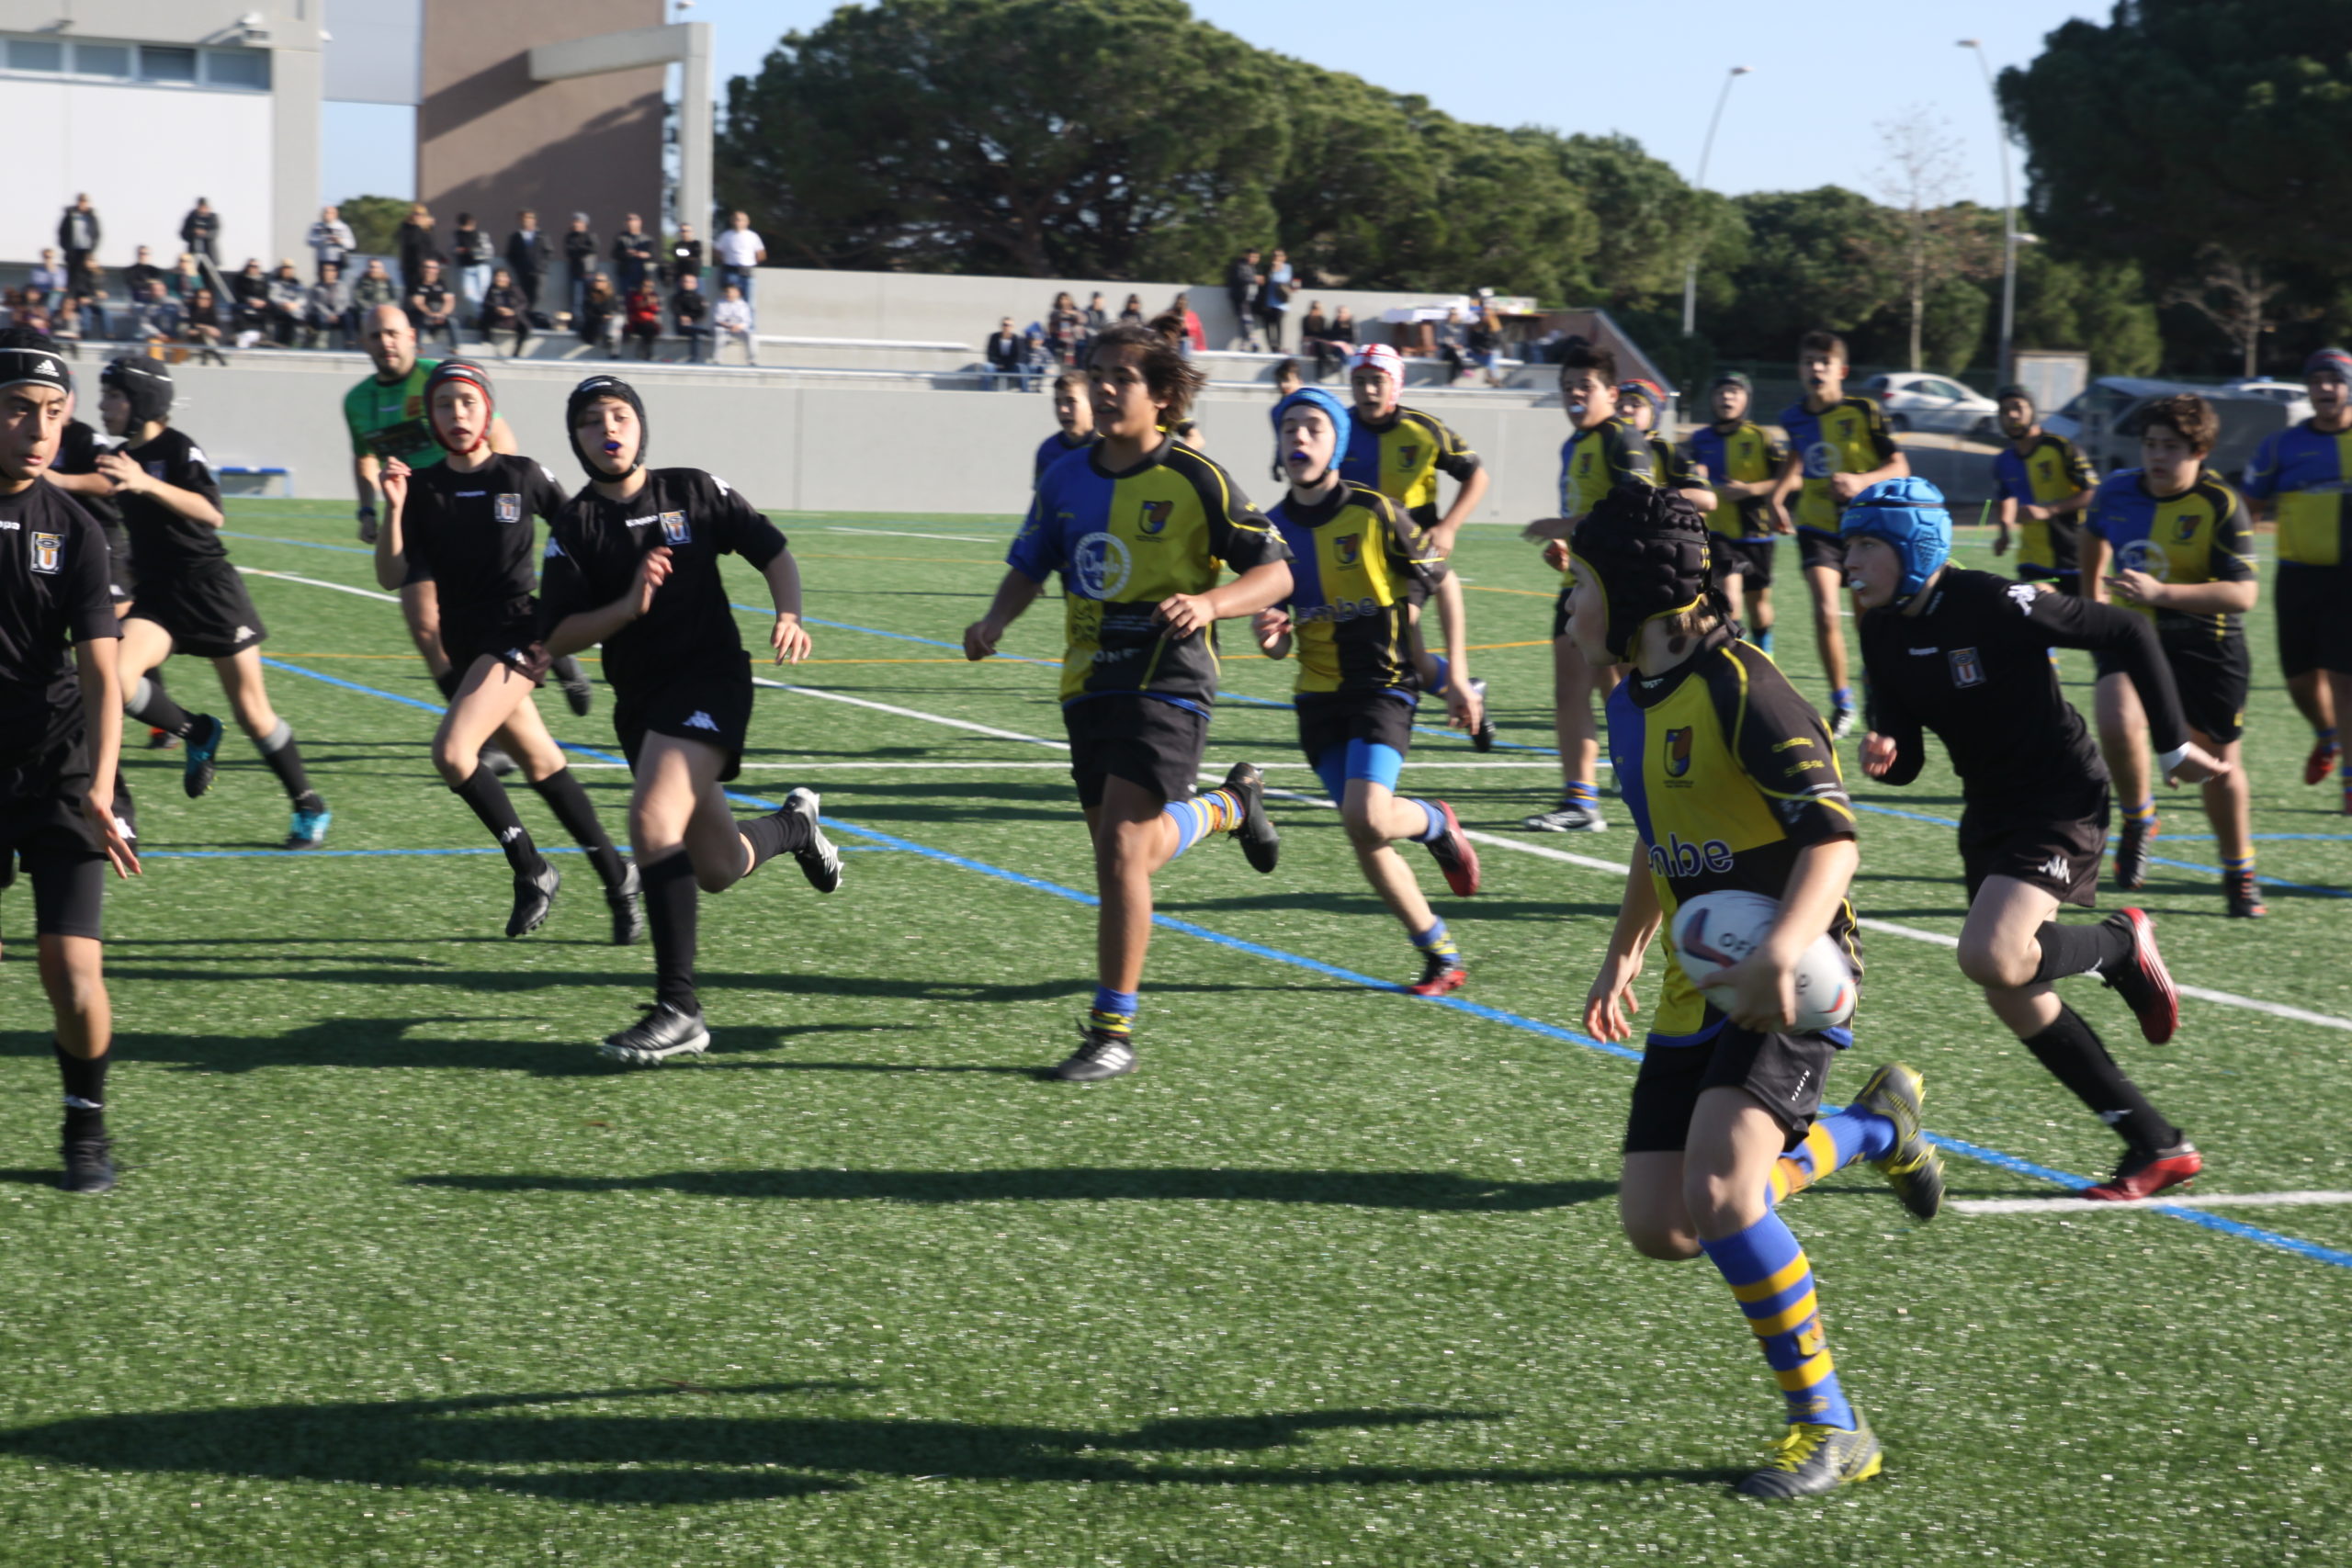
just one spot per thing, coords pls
(489, 139)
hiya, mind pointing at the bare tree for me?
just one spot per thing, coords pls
(1931, 241)
(2231, 292)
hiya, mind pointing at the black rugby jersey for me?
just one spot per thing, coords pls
(471, 533)
(163, 543)
(1973, 666)
(592, 557)
(53, 593)
(77, 453)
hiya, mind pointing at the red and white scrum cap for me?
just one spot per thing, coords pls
(1381, 357)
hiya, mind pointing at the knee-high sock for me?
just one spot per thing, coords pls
(149, 704)
(2079, 950)
(1215, 811)
(489, 801)
(670, 911)
(85, 1088)
(1832, 1143)
(2073, 1052)
(1768, 1272)
(569, 802)
(772, 834)
(285, 759)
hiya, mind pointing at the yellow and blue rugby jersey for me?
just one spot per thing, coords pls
(1674, 466)
(1402, 458)
(1747, 454)
(2055, 470)
(1350, 556)
(2309, 472)
(2198, 536)
(1594, 462)
(1053, 449)
(1125, 542)
(1729, 775)
(1850, 436)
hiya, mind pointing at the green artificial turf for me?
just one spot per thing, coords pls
(400, 1274)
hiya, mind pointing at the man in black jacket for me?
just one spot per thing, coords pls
(77, 236)
(1009, 355)
(579, 249)
(633, 254)
(1241, 282)
(526, 255)
(200, 233)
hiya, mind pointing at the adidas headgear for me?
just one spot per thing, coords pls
(1908, 515)
(145, 384)
(587, 392)
(41, 367)
(1647, 550)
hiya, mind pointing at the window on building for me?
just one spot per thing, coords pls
(35, 54)
(161, 64)
(102, 59)
(237, 67)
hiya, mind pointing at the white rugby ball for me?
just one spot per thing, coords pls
(1715, 930)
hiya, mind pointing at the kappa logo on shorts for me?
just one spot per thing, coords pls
(508, 506)
(1156, 515)
(49, 552)
(2055, 868)
(1967, 669)
(674, 529)
(241, 634)
(701, 720)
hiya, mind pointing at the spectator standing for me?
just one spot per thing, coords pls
(1241, 284)
(289, 304)
(49, 281)
(736, 250)
(504, 309)
(644, 309)
(690, 308)
(1315, 337)
(1063, 325)
(598, 320)
(579, 249)
(526, 258)
(77, 236)
(633, 255)
(1098, 314)
(416, 242)
(141, 272)
(374, 286)
(330, 241)
(1452, 339)
(187, 278)
(433, 306)
(469, 252)
(685, 257)
(732, 316)
(1131, 313)
(330, 303)
(1485, 343)
(1273, 298)
(1008, 356)
(200, 231)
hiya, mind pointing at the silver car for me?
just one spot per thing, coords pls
(1914, 400)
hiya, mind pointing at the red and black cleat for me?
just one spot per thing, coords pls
(2244, 900)
(2145, 1173)
(1455, 854)
(1440, 973)
(2323, 757)
(2141, 978)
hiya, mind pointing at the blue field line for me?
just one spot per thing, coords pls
(1474, 1009)
(298, 543)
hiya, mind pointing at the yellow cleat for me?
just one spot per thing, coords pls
(1912, 1168)
(1811, 1459)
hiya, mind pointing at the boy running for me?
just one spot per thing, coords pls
(2170, 540)
(60, 726)
(2042, 483)
(1075, 415)
(1966, 655)
(1138, 528)
(1740, 458)
(1348, 617)
(1733, 784)
(632, 562)
(1641, 402)
(2306, 473)
(191, 600)
(464, 523)
(1838, 447)
(1601, 452)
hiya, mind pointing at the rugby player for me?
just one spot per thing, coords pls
(1740, 460)
(1075, 412)
(2042, 483)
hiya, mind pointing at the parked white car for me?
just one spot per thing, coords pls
(1917, 400)
(2294, 394)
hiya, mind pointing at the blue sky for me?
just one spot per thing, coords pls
(1805, 117)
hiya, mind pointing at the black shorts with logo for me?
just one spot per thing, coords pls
(2055, 845)
(2314, 606)
(1783, 1072)
(712, 705)
(1817, 548)
(206, 610)
(512, 638)
(1142, 739)
(1752, 558)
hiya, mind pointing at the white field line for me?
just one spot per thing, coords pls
(1207, 769)
(319, 582)
(2204, 1201)
(902, 534)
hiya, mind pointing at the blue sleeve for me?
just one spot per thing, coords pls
(2003, 487)
(2261, 476)
(1036, 552)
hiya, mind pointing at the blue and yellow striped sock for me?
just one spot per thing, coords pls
(1832, 1144)
(2233, 864)
(1113, 1012)
(1766, 1271)
(1842, 697)
(1445, 667)
(2143, 813)
(1438, 941)
(1216, 811)
(1580, 792)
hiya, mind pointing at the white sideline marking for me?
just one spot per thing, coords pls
(902, 534)
(2093, 1205)
(1207, 769)
(914, 713)
(318, 583)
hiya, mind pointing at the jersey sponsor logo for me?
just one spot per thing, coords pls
(701, 720)
(1676, 858)
(1927, 652)
(639, 523)
(2022, 594)
(49, 552)
(2144, 555)
(674, 529)
(1821, 459)
(1156, 515)
(1347, 548)
(9, 525)
(1338, 610)
(508, 507)
(1967, 669)
(1100, 565)
(1678, 751)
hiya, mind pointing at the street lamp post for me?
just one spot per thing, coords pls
(1706, 151)
(2008, 218)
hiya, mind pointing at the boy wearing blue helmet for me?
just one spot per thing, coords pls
(1966, 654)
(1354, 558)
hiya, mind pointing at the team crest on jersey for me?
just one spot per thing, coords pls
(674, 529)
(1678, 751)
(509, 507)
(1349, 548)
(1821, 459)
(1405, 456)
(1156, 515)
(49, 552)
(2185, 529)
(1100, 565)
(1967, 669)
(2145, 554)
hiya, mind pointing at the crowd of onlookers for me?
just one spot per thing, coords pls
(453, 284)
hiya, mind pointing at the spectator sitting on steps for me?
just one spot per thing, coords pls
(732, 316)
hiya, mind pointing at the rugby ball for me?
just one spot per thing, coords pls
(1715, 930)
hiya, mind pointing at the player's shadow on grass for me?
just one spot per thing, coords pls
(736, 1444)
(1429, 1191)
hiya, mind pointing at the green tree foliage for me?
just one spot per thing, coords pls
(1810, 261)
(2100, 307)
(375, 222)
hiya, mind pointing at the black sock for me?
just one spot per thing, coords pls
(2071, 1051)
(566, 669)
(490, 802)
(2079, 950)
(149, 704)
(569, 802)
(285, 759)
(670, 909)
(85, 1088)
(771, 835)
(447, 681)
